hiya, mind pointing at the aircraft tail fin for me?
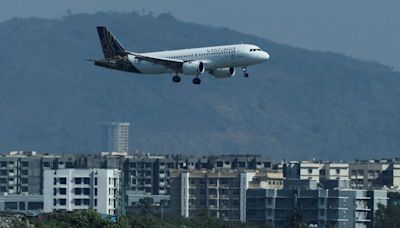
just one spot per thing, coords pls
(110, 45)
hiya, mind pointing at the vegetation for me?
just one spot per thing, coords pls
(387, 217)
(91, 219)
(297, 219)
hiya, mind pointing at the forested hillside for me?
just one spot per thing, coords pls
(299, 105)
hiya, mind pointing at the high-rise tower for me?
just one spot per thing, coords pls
(115, 137)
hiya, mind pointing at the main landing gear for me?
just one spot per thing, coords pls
(176, 79)
(196, 80)
(245, 74)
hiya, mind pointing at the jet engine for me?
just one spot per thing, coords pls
(223, 72)
(193, 68)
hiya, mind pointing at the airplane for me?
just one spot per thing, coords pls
(219, 61)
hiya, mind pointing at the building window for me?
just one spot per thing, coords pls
(86, 181)
(3, 172)
(95, 202)
(95, 181)
(85, 201)
(86, 191)
(78, 191)
(63, 202)
(3, 164)
(54, 191)
(337, 171)
(22, 206)
(54, 202)
(3, 180)
(10, 205)
(54, 181)
(309, 171)
(224, 181)
(78, 202)
(95, 191)
(35, 205)
(63, 180)
(24, 172)
(63, 191)
(24, 181)
(24, 164)
(78, 180)
(24, 189)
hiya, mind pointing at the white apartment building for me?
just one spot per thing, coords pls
(336, 171)
(81, 189)
(311, 170)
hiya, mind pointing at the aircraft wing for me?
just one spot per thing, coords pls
(170, 63)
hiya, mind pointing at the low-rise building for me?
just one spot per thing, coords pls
(26, 204)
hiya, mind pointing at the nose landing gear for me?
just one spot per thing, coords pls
(245, 74)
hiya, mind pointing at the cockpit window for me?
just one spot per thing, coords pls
(255, 49)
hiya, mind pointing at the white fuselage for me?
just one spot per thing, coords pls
(240, 55)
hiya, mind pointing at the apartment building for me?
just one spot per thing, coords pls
(369, 174)
(318, 207)
(80, 189)
(20, 173)
(375, 174)
(221, 193)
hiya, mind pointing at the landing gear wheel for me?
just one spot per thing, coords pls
(245, 74)
(176, 79)
(196, 81)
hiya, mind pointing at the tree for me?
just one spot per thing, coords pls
(76, 219)
(297, 219)
(387, 217)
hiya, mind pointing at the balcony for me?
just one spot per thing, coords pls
(360, 208)
(212, 196)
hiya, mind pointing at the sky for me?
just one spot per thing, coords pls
(364, 29)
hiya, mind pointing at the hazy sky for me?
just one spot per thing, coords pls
(366, 29)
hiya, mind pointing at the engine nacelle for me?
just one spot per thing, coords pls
(223, 72)
(193, 68)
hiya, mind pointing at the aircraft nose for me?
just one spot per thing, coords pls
(265, 55)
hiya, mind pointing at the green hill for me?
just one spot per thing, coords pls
(300, 105)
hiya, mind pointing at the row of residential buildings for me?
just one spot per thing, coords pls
(232, 187)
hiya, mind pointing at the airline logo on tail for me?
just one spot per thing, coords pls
(111, 46)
